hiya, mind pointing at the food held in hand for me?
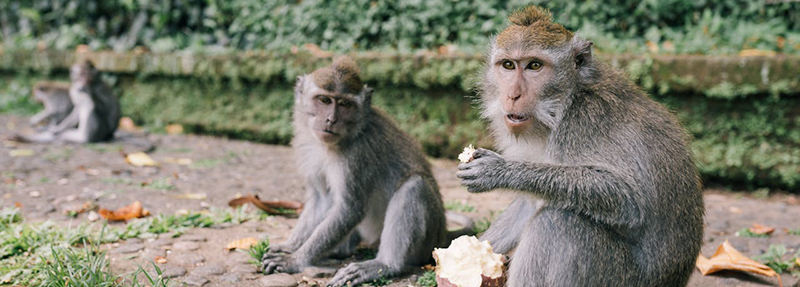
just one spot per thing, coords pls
(468, 262)
(466, 155)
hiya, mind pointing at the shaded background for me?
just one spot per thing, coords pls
(727, 68)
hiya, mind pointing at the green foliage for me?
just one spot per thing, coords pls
(745, 232)
(677, 26)
(773, 258)
(482, 225)
(428, 279)
(459, 206)
(155, 280)
(67, 266)
(258, 250)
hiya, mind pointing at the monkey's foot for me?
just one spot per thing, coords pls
(278, 263)
(361, 272)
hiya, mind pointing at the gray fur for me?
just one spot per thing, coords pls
(372, 185)
(610, 196)
(56, 101)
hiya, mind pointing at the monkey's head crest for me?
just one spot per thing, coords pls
(533, 26)
(341, 77)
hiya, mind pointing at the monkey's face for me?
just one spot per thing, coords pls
(521, 80)
(332, 116)
(81, 72)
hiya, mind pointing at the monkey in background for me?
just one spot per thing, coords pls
(95, 114)
(608, 194)
(57, 104)
(366, 179)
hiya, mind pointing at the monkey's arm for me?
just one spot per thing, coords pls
(504, 232)
(41, 116)
(312, 215)
(339, 221)
(69, 122)
(603, 193)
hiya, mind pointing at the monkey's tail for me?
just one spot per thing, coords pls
(468, 225)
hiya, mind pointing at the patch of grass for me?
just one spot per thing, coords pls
(459, 206)
(428, 279)
(794, 231)
(206, 163)
(103, 148)
(117, 180)
(177, 150)
(258, 250)
(745, 232)
(161, 184)
(59, 154)
(67, 266)
(773, 258)
(152, 281)
(382, 281)
(44, 180)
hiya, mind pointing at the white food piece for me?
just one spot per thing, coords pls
(465, 260)
(466, 155)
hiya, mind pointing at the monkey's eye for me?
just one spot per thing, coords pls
(508, 65)
(325, 100)
(534, 65)
(345, 104)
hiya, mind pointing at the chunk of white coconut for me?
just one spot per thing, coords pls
(468, 262)
(466, 155)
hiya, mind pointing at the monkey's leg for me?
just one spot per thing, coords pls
(348, 246)
(70, 121)
(42, 137)
(86, 132)
(347, 211)
(553, 240)
(504, 233)
(411, 230)
(41, 116)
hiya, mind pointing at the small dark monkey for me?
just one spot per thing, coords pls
(57, 104)
(366, 179)
(95, 114)
(608, 192)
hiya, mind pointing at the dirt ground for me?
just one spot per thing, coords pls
(60, 177)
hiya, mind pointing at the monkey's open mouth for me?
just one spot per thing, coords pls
(517, 118)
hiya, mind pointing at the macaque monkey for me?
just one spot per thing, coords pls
(608, 194)
(367, 181)
(57, 104)
(95, 114)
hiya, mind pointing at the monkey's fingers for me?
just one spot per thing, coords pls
(272, 256)
(467, 175)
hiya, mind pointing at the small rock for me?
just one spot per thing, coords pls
(128, 248)
(93, 216)
(245, 269)
(193, 237)
(151, 253)
(318, 272)
(35, 194)
(185, 246)
(133, 240)
(186, 259)
(171, 271)
(62, 181)
(278, 280)
(161, 242)
(209, 269)
(230, 277)
(193, 280)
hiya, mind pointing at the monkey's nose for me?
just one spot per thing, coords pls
(515, 97)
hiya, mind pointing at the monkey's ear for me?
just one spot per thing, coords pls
(582, 51)
(367, 92)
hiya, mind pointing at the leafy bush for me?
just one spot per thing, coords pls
(675, 26)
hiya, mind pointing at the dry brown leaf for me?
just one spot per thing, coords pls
(127, 124)
(728, 258)
(756, 53)
(161, 259)
(271, 207)
(761, 229)
(20, 152)
(135, 210)
(140, 159)
(241, 244)
(174, 129)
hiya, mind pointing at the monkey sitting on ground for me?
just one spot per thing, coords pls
(367, 181)
(95, 114)
(608, 194)
(57, 104)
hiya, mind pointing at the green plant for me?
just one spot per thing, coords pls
(76, 267)
(428, 279)
(745, 232)
(258, 250)
(459, 206)
(152, 281)
(773, 258)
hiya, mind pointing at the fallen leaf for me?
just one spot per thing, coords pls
(241, 244)
(797, 261)
(35, 194)
(174, 129)
(127, 124)
(734, 209)
(756, 53)
(180, 161)
(161, 259)
(270, 207)
(652, 47)
(86, 206)
(135, 210)
(191, 196)
(18, 205)
(728, 258)
(140, 159)
(761, 229)
(20, 152)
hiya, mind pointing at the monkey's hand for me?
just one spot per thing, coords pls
(282, 248)
(484, 172)
(279, 263)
